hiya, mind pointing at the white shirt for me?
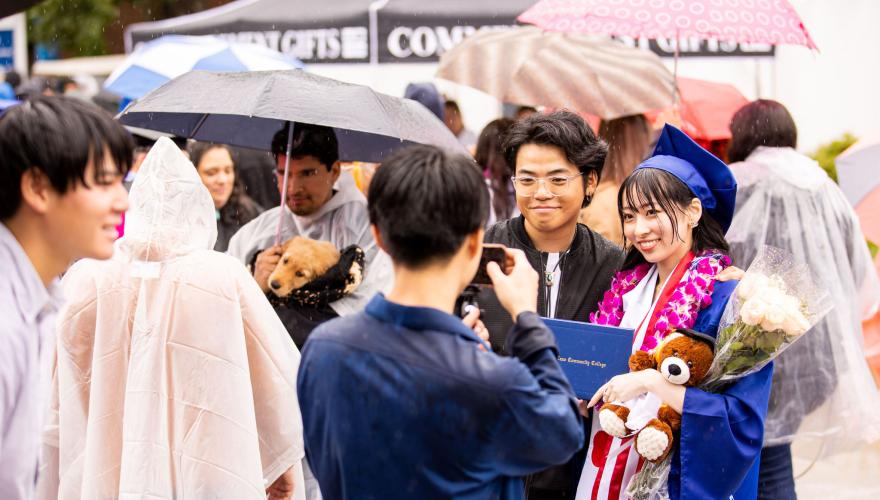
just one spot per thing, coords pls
(553, 269)
(27, 333)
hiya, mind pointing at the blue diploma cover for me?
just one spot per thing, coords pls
(591, 354)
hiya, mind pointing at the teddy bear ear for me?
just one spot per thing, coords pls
(641, 360)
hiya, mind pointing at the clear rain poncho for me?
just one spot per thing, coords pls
(823, 393)
(174, 378)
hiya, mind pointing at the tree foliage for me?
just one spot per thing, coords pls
(827, 153)
(76, 27)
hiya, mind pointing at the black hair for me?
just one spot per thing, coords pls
(59, 137)
(564, 130)
(760, 123)
(240, 208)
(490, 157)
(657, 188)
(317, 141)
(424, 202)
(453, 105)
(61, 83)
(13, 79)
(197, 150)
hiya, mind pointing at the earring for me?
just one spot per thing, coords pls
(694, 224)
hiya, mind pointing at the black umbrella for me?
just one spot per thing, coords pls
(248, 108)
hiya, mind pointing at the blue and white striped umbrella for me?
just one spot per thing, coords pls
(156, 62)
(5, 103)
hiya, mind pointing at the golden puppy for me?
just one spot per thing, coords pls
(302, 260)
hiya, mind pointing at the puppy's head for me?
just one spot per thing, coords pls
(302, 260)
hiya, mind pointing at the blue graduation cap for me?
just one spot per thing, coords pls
(708, 177)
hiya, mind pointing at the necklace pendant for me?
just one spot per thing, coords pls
(548, 278)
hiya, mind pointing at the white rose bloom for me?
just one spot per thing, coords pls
(772, 295)
(795, 323)
(753, 310)
(791, 303)
(770, 326)
(775, 316)
(750, 284)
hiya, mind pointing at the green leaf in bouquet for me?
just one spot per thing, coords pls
(770, 341)
(764, 343)
(750, 340)
(726, 333)
(737, 363)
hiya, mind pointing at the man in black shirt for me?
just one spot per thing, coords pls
(556, 161)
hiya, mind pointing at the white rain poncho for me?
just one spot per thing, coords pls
(342, 221)
(174, 377)
(823, 393)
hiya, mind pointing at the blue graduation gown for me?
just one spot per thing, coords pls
(721, 434)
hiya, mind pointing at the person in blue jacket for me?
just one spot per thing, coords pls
(675, 208)
(405, 400)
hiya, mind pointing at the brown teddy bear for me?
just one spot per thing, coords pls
(683, 358)
(302, 260)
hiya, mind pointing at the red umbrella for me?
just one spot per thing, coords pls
(867, 210)
(705, 108)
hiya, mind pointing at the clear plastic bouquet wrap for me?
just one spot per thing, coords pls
(776, 302)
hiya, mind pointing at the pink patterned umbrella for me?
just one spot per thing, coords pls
(773, 22)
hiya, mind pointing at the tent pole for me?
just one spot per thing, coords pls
(374, 7)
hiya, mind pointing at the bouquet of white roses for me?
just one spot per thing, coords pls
(776, 302)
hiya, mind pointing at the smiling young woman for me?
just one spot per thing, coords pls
(674, 210)
(215, 164)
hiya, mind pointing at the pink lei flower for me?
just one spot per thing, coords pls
(692, 294)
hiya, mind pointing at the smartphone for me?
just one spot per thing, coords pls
(491, 253)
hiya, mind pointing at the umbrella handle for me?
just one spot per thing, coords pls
(284, 183)
(676, 95)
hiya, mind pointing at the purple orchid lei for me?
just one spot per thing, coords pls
(692, 294)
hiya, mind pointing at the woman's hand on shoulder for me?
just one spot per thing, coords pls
(730, 273)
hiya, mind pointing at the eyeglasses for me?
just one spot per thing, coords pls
(556, 185)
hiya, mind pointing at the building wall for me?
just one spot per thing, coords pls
(18, 25)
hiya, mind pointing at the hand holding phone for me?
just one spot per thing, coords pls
(516, 286)
(491, 253)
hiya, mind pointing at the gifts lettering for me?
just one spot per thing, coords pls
(314, 45)
(586, 362)
(695, 46)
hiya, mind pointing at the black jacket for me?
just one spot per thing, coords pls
(586, 274)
